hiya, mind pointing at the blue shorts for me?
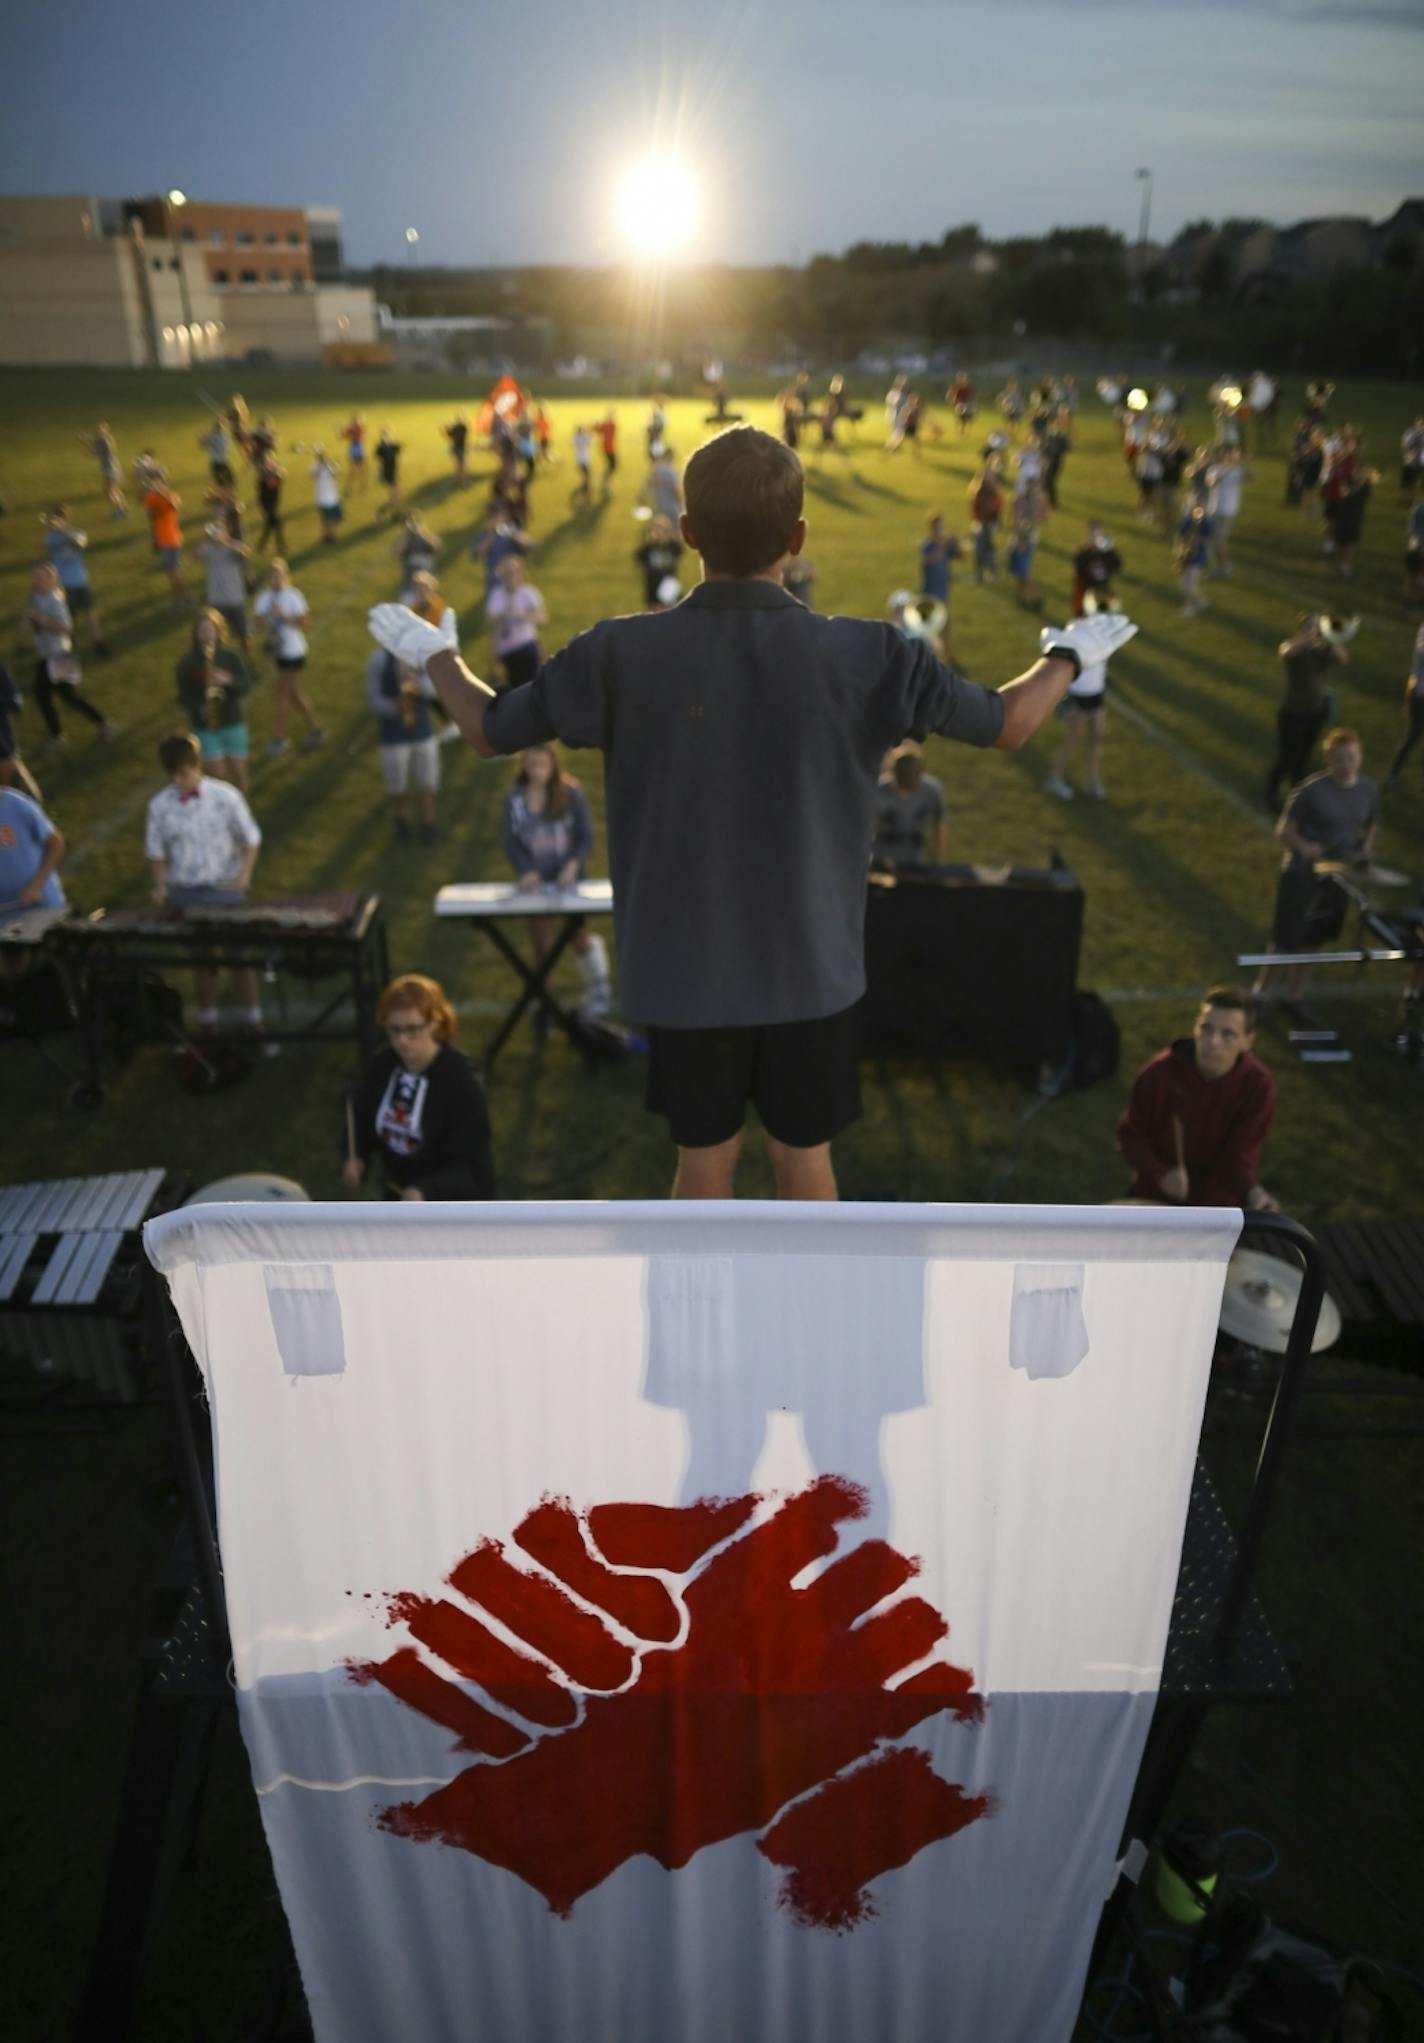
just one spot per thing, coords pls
(355, 453)
(330, 513)
(227, 742)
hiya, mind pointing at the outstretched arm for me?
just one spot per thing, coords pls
(465, 696)
(1031, 699)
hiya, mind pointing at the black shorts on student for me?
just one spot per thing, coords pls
(1310, 911)
(802, 1077)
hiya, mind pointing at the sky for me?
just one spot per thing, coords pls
(500, 133)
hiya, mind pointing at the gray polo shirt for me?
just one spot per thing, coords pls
(744, 736)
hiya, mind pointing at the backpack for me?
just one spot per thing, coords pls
(1097, 1041)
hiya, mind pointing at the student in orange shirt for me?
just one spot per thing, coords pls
(163, 504)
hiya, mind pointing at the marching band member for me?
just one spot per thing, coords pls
(1200, 1111)
(202, 843)
(419, 1105)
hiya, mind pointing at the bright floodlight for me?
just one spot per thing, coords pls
(657, 207)
(177, 198)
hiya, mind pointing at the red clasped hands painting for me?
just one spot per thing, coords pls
(673, 1689)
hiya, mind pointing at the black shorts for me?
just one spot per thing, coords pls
(79, 600)
(234, 616)
(803, 1078)
(1083, 705)
(1310, 911)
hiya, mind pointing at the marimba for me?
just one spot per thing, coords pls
(70, 1274)
(318, 936)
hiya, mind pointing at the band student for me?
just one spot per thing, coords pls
(1329, 819)
(1200, 1111)
(419, 1107)
(740, 885)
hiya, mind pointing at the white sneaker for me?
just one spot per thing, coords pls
(449, 736)
(1057, 785)
(1096, 789)
(276, 747)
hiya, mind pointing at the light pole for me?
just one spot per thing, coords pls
(412, 237)
(1144, 178)
(176, 202)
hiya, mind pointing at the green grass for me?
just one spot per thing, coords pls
(1178, 869)
(1178, 877)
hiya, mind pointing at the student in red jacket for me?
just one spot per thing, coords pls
(1199, 1113)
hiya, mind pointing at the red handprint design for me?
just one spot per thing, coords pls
(738, 1695)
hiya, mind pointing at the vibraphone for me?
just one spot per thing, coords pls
(317, 936)
(71, 1273)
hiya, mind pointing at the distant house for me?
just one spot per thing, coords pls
(1317, 248)
(1403, 229)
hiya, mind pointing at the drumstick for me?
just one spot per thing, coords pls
(350, 1133)
(1179, 1137)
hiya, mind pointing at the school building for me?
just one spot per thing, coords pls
(172, 282)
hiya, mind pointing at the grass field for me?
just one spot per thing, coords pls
(1177, 866)
(1178, 870)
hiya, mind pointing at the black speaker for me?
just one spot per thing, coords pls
(957, 966)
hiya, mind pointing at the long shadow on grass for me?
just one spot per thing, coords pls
(575, 525)
(1175, 890)
(828, 493)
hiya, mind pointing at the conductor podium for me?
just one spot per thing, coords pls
(970, 960)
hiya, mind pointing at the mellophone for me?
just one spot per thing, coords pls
(70, 1270)
(314, 936)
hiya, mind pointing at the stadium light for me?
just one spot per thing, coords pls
(177, 198)
(657, 207)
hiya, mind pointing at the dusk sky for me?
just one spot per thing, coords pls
(500, 131)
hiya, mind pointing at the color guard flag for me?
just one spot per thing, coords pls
(658, 1624)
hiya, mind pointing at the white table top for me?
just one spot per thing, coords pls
(494, 898)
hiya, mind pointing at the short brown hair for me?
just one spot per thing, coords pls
(1341, 735)
(744, 492)
(908, 767)
(427, 997)
(1232, 997)
(179, 749)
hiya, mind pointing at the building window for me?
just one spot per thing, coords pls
(221, 277)
(298, 279)
(247, 277)
(269, 241)
(243, 240)
(158, 262)
(294, 241)
(275, 277)
(188, 234)
(173, 263)
(216, 238)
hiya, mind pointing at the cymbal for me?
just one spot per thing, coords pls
(1259, 1299)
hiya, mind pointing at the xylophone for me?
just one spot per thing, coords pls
(315, 936)
(70, 1269)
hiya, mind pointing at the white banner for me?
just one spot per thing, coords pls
(663, 1624)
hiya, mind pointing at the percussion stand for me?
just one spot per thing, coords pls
(1219, 1647)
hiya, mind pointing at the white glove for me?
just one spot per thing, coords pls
(1088, 640)
(409, 637)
